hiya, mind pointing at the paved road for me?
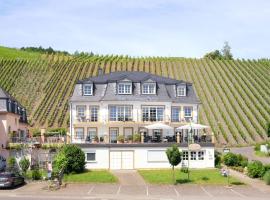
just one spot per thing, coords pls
(249, 153)
(37, 191)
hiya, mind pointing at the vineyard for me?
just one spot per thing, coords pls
(235, 94)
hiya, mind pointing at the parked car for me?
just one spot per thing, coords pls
(3, 164)
(9, 179)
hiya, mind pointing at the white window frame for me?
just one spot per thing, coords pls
(181, 90)
(173, 114)
(125, 89)
(89, 92)
(93, 113)
(157, 110)
(146, 88)
(185, 155)
(121, 111)
(188, 107)
(76, 135)
(78, 111)
(193, 155)
(91, 161)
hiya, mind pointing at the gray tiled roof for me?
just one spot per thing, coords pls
(105, 88)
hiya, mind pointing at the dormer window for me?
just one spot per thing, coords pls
(87, 89)
(181, 90)
(124, 88)
(149, 88)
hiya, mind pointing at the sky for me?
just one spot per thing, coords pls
(176, 28)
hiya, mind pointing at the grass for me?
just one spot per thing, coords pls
(95, 176)
(261, 154)
(12, 53)
(205, 176)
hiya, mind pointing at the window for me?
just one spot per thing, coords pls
(152, 113)
(193, 155)
(79, 133)
(201, 155)
(87, 89)
(149, 88)
(185, 155)
(94, 113)
(120, 113)
(156, 156)
(181, 91)
(175, 114)
(91, 134)
(113, 135)
(188, 111)
(91, 156)
(124, 88)
(128, 133)
(80, 111)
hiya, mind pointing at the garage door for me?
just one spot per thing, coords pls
(121, 159)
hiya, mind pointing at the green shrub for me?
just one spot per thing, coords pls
(257, 147)
(71, 158)
(36, 174)
(238, 168)
(242, 160)
(12, 164)
(266, 177)
(121, 138)
(255, 169)
(36, 132)
(56, 132)
(230, 159)
(24, 164)
(267, 167)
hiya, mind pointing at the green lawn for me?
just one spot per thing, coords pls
(261, 154)
(95, 176)
(204, 176)
(12, 53)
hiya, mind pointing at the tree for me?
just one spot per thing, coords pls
(174, 157)
(12, 164)
(70, 157)
(213, 55)
(226, 51)
(24, 164)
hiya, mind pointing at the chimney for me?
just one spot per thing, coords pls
(100, 71)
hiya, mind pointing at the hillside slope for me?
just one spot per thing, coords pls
(235, 94)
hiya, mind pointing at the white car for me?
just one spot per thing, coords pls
(2, 163)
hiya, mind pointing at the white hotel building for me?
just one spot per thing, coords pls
(108, 114)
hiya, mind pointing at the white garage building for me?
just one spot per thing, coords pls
(109, 112)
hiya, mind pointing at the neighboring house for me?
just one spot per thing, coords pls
(13, 120)
(122, 103)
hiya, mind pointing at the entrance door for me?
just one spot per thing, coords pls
(121, 159)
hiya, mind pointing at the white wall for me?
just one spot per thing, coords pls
(141, 160)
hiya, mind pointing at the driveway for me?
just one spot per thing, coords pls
(129, 177)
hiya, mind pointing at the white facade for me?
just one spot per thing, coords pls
(143, 158)
(103, 124)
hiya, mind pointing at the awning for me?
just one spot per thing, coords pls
(159, 126)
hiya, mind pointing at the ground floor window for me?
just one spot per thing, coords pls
(185, 155)
(193, 155)
(200, 155)
(79, 133)
(91, 156)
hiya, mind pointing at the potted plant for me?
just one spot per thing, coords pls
(136, 137)
(129, 138)
(96, 140)
(120, 139)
